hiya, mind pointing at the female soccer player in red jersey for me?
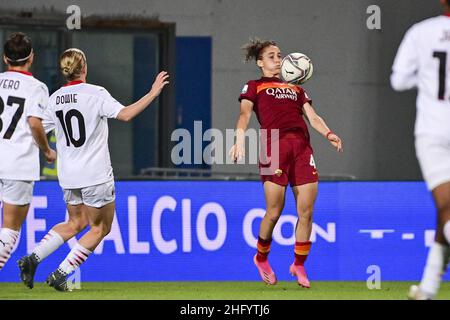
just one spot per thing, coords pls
(280, 108)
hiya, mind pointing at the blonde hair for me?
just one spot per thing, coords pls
(72, 63)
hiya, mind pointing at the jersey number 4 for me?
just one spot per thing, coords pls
(11, 100)
(66, 123)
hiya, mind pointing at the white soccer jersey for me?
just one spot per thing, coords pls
(21, 96)
(79, 113)
(423, 61)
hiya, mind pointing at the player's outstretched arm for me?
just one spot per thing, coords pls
(38, 132)
(237, 151)
(131, 111)
(320, 126)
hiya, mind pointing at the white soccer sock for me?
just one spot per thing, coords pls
(8, 238)
(48, 245)
(74, 259)
(434, 269)
(447, 231)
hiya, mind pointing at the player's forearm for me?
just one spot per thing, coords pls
(38, 132)
(131, 111)
(241, 127)
(319, 125)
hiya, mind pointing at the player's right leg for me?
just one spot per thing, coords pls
(16, 197)
(100, 221)
(434, 160)
(58, 235)
(99, 201)
(275, 197)
(438, 256)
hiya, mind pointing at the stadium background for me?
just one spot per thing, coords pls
(198, 43)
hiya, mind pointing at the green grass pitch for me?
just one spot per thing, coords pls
(320, 290)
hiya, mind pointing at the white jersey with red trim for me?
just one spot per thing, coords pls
(21, 96)
(78, 112)
(422, 62)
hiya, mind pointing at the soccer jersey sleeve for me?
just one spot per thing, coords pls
(110, 107)
(304, 98)
(248, 92)
(406, 63)
(38, 103)
(47, 121)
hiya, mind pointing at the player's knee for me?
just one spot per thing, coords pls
(273, 215)
(101, 230)
(79, 224)
(444, 210)
(443, 218)
(305, 213)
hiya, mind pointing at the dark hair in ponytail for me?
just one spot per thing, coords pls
(18, 49)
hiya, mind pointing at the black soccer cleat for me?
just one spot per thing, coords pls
(28, 266)
(58, 280)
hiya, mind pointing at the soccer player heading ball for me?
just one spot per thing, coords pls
(280, 107)
(78, 112)
(422, 62)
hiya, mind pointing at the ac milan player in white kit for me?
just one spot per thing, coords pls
(79, 112)
(22, 101)
(422, 62)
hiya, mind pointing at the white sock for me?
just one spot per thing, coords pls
(8, 238)
(48, 245)
(447, 231)
(434, 269)
(74, 259)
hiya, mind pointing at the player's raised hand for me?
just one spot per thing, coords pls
(159, 83)
(336, 142)
(237, 153)
(50, 156)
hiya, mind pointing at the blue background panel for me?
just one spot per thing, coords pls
(176, 231)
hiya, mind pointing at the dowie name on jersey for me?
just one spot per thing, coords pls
(9, 84)
(66, 98)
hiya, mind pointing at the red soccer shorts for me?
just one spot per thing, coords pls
(295, 162)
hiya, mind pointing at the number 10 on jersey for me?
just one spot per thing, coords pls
(66, 123)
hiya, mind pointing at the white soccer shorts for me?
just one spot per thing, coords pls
(16, 192)
(434, 159)
(94, 196)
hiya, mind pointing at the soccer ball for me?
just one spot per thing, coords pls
(296, 68)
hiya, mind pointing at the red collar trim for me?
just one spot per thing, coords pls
(23, 72)
(71, 83)
(447, 14)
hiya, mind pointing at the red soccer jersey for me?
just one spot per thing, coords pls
(277, 105)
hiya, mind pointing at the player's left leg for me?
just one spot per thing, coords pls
(441, 195)
(55, 238)
(100, 207)
(13, 217)
(16, 197)
(100, 221)
(305, 196)
(438, 256)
